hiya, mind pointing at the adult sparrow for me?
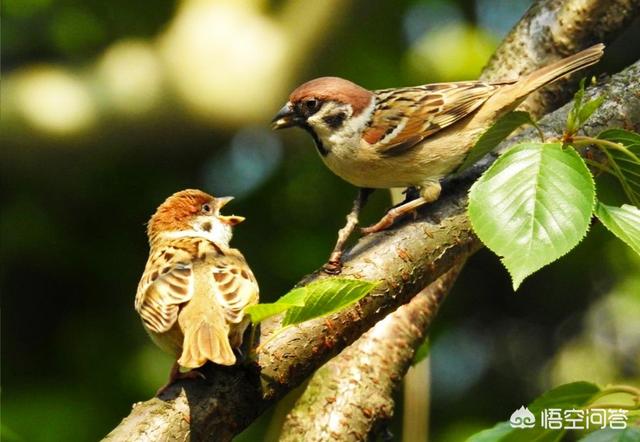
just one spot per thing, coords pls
(194, 287)
(410, 136)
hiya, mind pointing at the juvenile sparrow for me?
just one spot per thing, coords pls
(411, 136)
(194, 287)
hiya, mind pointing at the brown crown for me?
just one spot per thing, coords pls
(333, 89)
(177, 211)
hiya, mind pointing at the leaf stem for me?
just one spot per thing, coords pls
(580, 139)
(615, 389)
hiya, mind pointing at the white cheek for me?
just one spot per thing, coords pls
(357, 124)
(220, 233)
(347, 137)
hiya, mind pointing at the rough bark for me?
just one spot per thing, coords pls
(406, 259)
(350, 396)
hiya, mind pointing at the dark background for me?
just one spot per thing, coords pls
(109, 107)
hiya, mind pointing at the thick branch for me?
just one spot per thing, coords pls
(351, 395)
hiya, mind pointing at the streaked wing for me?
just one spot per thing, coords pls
(404, 117)
(167, 282)
(235, 286)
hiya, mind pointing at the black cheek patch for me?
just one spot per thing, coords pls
(323, 151)
(334, 121)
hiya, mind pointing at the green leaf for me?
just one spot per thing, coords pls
(572, 116)
(422, 352)
(626, 167)
(629, 434)
(625, 137)
(568, 396)
(295, 297)
(575, 394)
(532, 206)
(328, 296)
(588, 108)
(581, 111)
(494, 136)
(260, 312)
(496, 433)
(623, 222)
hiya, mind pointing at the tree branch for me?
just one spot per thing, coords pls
(405, 259)
(350, 396)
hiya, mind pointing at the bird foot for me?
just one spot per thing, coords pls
(333, 267)
(393, 214)
(383, 224)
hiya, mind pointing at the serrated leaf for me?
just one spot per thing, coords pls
(532, 206)
(568, 396)
(500, 130)
(629, 434)
(623, 222)
(422, 352)
(572, 116)
(581, 110)
(260, 312)
(629, 167)
(328, 296)
(587, 109)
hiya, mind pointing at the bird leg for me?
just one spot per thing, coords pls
(394, 214)
(410, 193)
(430, 192)
(175, 375)
(334, 265)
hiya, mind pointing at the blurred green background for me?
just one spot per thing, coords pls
(109, 107)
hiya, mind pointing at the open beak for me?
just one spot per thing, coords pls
(231, 220)
(286, 117)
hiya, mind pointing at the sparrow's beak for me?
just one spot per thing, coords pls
(286, 117)
(231, 220)
(223, 201)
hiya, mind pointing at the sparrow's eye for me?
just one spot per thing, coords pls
(206, 208)
(311, 106)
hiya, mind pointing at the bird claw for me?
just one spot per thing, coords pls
(333, 267)
(381, 225)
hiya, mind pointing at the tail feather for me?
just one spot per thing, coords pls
(559, 69)
(510, 96)
(203, 342)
